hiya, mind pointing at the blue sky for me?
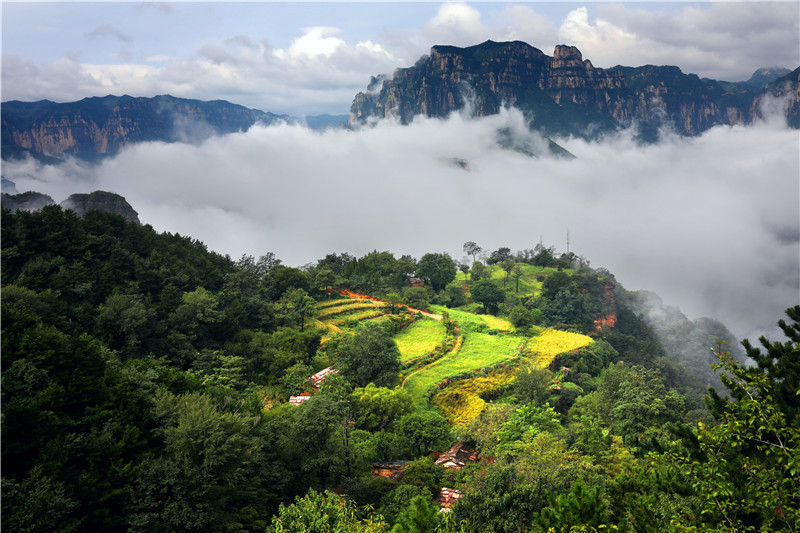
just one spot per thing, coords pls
(307, 58)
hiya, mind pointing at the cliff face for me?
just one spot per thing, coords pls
(785, 92)
(562, 94)
(95, 127)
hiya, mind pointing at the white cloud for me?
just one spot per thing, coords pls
(315, 42)
(726, 40)
(456, 24)
(710, 223)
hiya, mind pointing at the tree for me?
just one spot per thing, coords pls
(488, 293)
(424, 431)
(747, 467)
(582, 507)
(438, 269)
(470, 248)
(418, 517)
(500, 255)
(516, 272)
(464, 268)
(508, 266)
(324, 512)
(298, 305)
(324, 279)
(479, 272)
(370, 355)
(780, 364)
(375, 407)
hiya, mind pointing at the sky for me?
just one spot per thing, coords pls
(304, 58)
(711, 223)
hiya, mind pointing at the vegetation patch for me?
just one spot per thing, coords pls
(550, 343)
(475, 322)
(349, 307)
(465, 400)
(479, 350)
(420, 338)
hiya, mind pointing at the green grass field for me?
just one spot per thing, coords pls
(528, 284)
(420, 338)
(474, 322)
(479, 350)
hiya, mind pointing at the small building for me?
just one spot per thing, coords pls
(297, 400)
(319, 377)
(448, 498)
(416, 282)
(457, 457)
(389, 469)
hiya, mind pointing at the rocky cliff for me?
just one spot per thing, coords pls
(95, 127)
(80, 203)
(784, 93)
(26, 201)
(101, 201)
(563, 94)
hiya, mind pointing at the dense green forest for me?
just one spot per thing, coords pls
(146, 385)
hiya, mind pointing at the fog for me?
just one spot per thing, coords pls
(712, 224)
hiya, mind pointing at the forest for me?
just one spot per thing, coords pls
(152, 385)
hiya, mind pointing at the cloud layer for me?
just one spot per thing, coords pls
(710, 223)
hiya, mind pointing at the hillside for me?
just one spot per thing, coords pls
(563, 94)
(150, 384)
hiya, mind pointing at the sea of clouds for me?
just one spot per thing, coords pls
(712, 223)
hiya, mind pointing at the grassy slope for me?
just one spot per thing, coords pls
(479, 350)
(420, 338)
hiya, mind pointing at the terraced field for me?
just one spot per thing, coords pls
(334, 314)
(549, 343)
(479, 350)
(420, 338)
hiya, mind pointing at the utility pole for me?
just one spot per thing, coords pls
(567, 241)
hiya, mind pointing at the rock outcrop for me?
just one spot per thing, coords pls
(96, 127)
(26, 201)
(563, 94)
(108, 202)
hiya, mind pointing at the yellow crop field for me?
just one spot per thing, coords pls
(355, 305)
(462, 402)
(549, 343)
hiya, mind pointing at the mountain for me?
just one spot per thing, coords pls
(101, 126)
(786, 91)
(560, 95)
(763, 76)
(107, 202)
(26, 201)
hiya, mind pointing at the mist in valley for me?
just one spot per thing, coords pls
(711, 224)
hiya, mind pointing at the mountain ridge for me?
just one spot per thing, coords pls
(560, 95)
(99, 126)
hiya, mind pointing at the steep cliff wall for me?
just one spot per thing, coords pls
(95, 127)
(562, 94)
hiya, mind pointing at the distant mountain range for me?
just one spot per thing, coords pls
(560, 95)
(566, 95)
